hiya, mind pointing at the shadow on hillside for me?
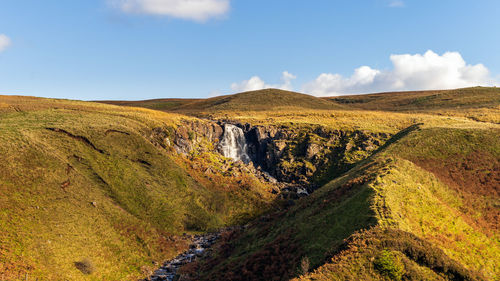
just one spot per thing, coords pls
(274, 246)
(401, 134)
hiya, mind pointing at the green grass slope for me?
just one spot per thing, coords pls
(86, 185)
(478, 103)
(82, 181)
(156, 104)
(454, 225)
(478, 97)
(261, 100)
(394, 217)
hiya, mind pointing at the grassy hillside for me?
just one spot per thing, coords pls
(260, 100)
(479, 103)
(477, 97)
(82, 181)
(157, 104)
(95, 186)
(393, 216)
(432, 203)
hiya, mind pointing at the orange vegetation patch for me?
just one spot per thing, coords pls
(17, 270)
(476, 177)
(277, 260)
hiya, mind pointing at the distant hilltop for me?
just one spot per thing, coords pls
(275, 99)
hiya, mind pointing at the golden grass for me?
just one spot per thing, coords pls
(45, 227)
(372, 121)
(49, 181)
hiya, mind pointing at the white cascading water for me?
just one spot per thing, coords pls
(233, 144)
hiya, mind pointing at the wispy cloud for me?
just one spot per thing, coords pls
(256, 83)
(396, 4)
(4, 42)
(197, 10)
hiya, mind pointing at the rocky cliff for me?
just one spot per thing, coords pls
(308, 155)
(303, 155)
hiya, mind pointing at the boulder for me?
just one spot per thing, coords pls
(312, 149)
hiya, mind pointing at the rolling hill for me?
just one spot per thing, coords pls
(403, 186)
(478, 97)
(421, 208)
(157, 104)
(478, 103)
(261, 100)
(87, 181)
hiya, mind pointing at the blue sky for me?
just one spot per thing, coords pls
(140, 49)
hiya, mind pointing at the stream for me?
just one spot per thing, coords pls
(233, 145)
(200, 244)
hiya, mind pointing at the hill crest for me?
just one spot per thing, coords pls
(259, 100)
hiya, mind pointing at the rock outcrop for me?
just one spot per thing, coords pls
(187, 136)
(308, 155)
(305, 155)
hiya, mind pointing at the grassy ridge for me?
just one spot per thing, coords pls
(416, 201)
(84, 181)
(260, 100)
(479, 103)
(157, 104)
(478, 97)
(399, 200)
(81, 180)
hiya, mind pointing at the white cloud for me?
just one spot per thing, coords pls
(287, 78)
(396, 4)
(256, 83)
(410, 72)
(197, 10)
(4, 42)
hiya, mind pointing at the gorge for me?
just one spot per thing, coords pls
(104, 192)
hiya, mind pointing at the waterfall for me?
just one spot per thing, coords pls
(233, 144)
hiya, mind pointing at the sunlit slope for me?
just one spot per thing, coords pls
(157, 104)
(411, 220)
(261, 100)
(424, 100)
(85, 181)
(478, 103)
(435, 207)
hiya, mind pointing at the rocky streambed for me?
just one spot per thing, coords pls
(200, 244)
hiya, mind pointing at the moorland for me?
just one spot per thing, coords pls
(388, 186)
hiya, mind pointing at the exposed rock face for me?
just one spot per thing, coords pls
(205, 129)
(187, 136)
(311, 150)
(306, 155)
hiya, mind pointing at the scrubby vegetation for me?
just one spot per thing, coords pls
(393, 192)
(389, 265)
(85, 266)
(407, 187)
(81, 179)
